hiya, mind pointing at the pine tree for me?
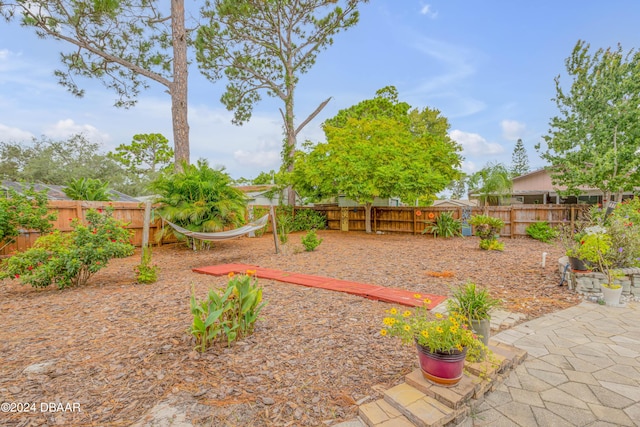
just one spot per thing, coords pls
(519, 160)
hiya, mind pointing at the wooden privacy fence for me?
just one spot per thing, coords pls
(68, 210)
(403, 219)
(413, 220)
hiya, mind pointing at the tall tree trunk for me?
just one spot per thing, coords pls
(367, 216)
(178, 89)
(290, 144)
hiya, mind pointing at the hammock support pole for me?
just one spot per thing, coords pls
(274, 227)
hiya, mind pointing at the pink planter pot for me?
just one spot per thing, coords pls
(441, 368)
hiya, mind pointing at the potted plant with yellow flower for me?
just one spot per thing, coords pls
(443, 341)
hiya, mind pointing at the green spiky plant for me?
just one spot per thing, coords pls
(199, 199)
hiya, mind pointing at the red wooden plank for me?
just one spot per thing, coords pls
(379, 293)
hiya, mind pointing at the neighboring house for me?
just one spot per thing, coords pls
(261, 195)
(454, 203)
(536, 188)
(55, 192)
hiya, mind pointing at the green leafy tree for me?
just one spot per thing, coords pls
(124, 43)
(143, 159)
(147, 153)
(519, 160)
(26, 210)
(200, 198)
(379, 148)
(492, 184)
(595, 140)
(265, 46)
(57, 162)
(88, 189)
(70, 259)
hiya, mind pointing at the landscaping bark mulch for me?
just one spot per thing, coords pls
(121, 351)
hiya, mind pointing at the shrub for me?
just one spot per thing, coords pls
(446, 226)
(27, 211)
(311, 241)
(145, 271)
(230, 314)
(542, 231)
(486, 227)
(199, 199)
(308, 219)
(70, 259)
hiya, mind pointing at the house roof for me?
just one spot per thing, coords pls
(56, 192)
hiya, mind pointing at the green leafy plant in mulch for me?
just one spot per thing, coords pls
(488, 228)
(145, 271)
(311, 241)
(542, 231)
(226, 316)
(445, 226)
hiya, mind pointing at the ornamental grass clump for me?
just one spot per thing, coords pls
(437, 332)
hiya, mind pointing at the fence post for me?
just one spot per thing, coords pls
(79, 210)
(145, 227)
(512, 220)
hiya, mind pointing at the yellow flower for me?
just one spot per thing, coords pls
(251, 273)
(406, 313)
(427, 301)
(389, 321)
(438, 315)
(383, 332)
(459, 347)
(407, 328)
(231, 274)
(393, 311)
(417, 296)
(439, 329)
(424, 333)
(453, 329)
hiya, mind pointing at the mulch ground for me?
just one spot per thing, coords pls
(120, 349)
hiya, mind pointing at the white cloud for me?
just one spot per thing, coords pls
(67, 127)
(469, 167)
(474, 144)
(512, 130)
(13, 134)
(426, 10)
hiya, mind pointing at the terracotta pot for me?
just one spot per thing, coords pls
(442, 368)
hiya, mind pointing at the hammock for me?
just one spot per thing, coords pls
(222, 235)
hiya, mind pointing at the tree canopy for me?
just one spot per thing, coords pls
(595, 139)
(380, 148)
(123, 43)
(265, 46)
(57, 162)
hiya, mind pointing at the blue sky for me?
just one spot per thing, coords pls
(489, 67)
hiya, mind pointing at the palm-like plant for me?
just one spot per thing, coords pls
(200, 198)
(492, 183)
(88, 189)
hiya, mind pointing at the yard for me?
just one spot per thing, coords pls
(119, 349)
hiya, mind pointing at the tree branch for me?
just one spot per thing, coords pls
(311, 116)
